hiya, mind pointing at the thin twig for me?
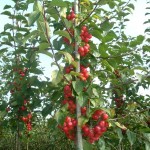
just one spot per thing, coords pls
(110, 57)
(49, 39)
(133, 113)
(89, 13)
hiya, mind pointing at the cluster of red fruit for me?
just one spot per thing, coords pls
(118, 98)
(90, 133)
(84, 50)
(27, 121)
(69, 127)
(93, 134)
(68, 69)
(119, 101)
(83, 73)
(85, 35)
(23, 114)
(23, 72)
(69, 99)
(72, 15)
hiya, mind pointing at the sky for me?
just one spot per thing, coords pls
(134, 27)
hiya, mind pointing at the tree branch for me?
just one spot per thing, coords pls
(133, 113)
(89, 13)
(111, 57)
(49, 39)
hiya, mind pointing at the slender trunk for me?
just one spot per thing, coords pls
(79, 144)
(27, 144)
(17, 137)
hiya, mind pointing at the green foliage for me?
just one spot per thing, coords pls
(113, 62)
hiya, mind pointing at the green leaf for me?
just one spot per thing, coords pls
(106, 26)
(45, 52)
(103, 50)
(43, 46)
(57, 76)
(68, 57)
(140, 39)
(120, 125)
(110, 36)
(60, 116)
(63, 33)
(138, 58)
(62, 13)
(46, 110)
(80, 99)
(82, 120)
(59, 3)
(101, 144)
(8, 13)
(7, 6)
(33, 17)
(43, 31)
(119, 132)
(87, 145)
(95, 92)
(57, 44)
(8, 26)
(147, 142)
(97, 34)
(78, 86)
(37, 6)
(131, 137)
(76, 74)
(112, 4)
(68, 23)
(33, 34)
(107, 65)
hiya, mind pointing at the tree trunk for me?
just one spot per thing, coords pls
(79, 144)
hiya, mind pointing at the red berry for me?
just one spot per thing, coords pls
(102, 124)
(84, 28)
(66, 129)
(105, 116)
(95, 117)
(83, 110)
(24, 119)
(81, 49)
(86, 75)
(86, 40)
(29, 116)
(97, 129)
(68, 119)
(89, 36)
(70, 125)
